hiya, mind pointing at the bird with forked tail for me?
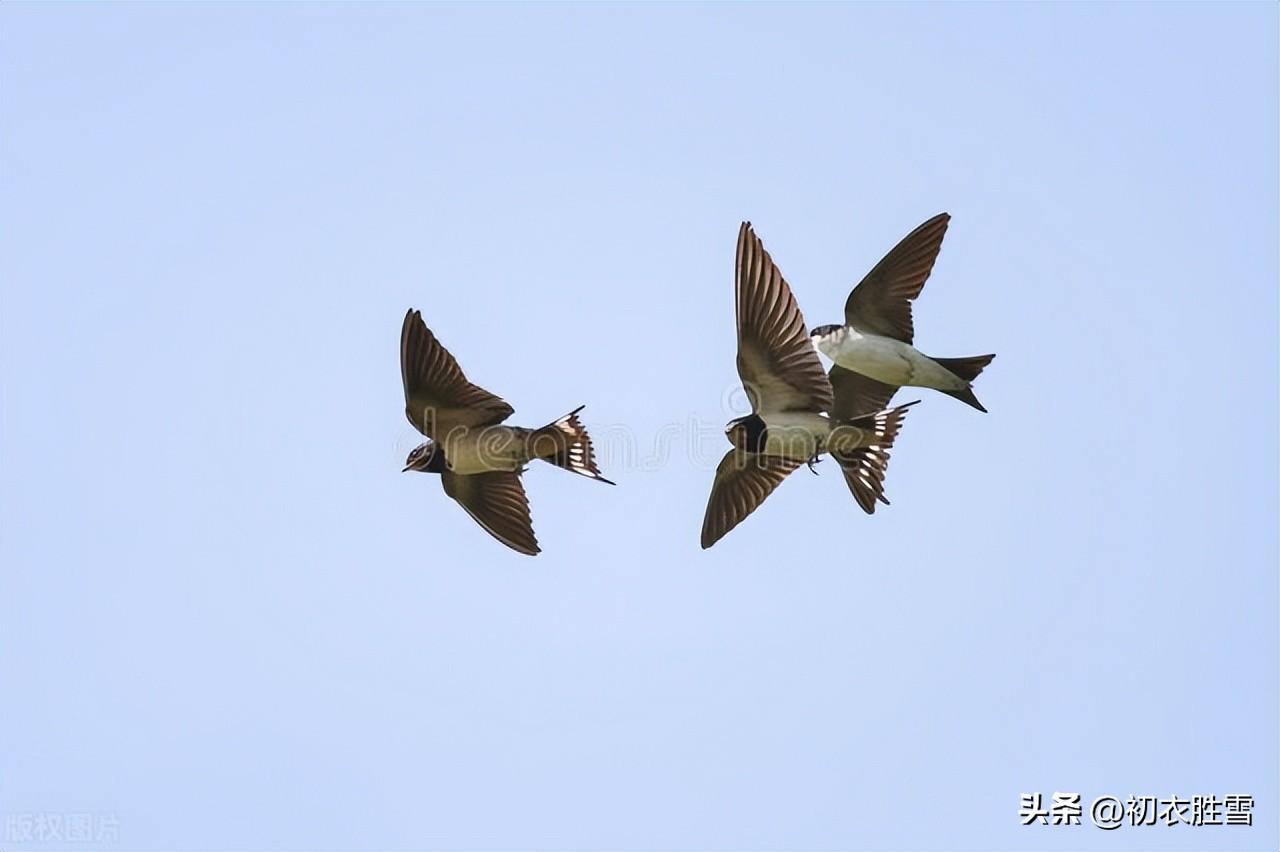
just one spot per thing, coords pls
(790, 395)
(873, 350)
(479, 459)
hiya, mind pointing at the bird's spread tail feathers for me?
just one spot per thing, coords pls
(967, 369)
(864, 468)
(565, 443)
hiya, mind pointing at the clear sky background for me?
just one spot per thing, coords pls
(229, 621)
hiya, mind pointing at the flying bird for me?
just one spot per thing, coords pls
(790, 396)
(480, 461)
(873, 351)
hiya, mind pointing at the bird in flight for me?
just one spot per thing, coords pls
(873, 351)
(790, 399)
(479, 460)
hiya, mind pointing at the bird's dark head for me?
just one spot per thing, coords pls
(426, 458)
(823, 331)
(747, 433)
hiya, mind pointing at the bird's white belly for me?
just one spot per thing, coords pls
(887, 360)
(795, 434)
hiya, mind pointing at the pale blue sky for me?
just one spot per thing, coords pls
(228, 620)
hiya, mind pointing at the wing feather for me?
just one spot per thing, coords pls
(497, 502)
(776, 360)
(881, 303)
(856, 394)
(437, 395)
(743, 481)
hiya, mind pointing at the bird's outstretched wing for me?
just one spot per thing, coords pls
(881, 303)
(743, 480)
(854, 394)
(497, 502)
(776, 360)
(437, 395)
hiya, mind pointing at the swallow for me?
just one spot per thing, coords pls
(797, 415)
(876, 340)
(478, 459)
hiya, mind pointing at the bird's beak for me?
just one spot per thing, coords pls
(406, 469)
